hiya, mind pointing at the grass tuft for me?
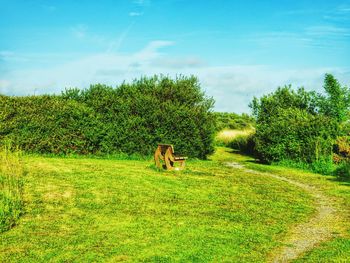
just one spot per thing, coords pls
(11, 188)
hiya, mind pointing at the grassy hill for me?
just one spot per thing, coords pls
(81, 209)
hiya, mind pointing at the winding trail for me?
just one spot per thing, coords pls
(302, 237)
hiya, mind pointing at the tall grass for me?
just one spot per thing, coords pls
(11, 187)
(226, 136)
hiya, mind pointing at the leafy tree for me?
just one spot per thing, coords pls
(336, 103)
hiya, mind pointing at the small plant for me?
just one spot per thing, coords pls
(343, 170)
(11, 187)
(323, 166)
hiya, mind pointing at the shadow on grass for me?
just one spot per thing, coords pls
(342, 180)
(252, 158)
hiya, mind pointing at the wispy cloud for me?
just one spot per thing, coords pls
(178, 63)
(79, 31)
(320, 36)
(115, 45)
(135, 14)
(142, 2)
(327, 30)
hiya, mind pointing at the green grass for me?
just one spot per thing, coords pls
(82, 210)
(226, 136)
(335, 250)
(11, 184)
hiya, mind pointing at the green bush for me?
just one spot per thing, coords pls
(322, 166)
(302, 127)
(49, 124)
(343, 170)
(288, 129)
(244, 143)
(131, 118)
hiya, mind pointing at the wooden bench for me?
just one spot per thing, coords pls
(165, 153)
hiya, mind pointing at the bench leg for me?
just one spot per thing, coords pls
(182, 165)
(157, 158)
(169, 164)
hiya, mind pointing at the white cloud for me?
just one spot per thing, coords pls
(233, 87)
(327, 30)
(4, 86)
(178, 62)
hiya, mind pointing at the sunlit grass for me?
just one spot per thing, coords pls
(334, 250)
(226, 136)
(82, 210)
(85, 210)
(11, 183)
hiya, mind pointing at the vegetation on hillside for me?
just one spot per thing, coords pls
(233, 121)
(131, 118)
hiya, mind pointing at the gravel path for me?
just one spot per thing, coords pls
(302, 237)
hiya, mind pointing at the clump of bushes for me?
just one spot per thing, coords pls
(131, 118)
(301, 127)
(11, 188)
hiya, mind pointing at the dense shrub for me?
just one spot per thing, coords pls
(343, 170)
(301, 126)
(49, 124)
(289, 128)
(131, 118)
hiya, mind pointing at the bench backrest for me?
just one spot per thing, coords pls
(164, 147)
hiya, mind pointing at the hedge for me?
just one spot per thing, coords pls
(131, 118)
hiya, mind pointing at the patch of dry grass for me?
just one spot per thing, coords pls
(226, 136)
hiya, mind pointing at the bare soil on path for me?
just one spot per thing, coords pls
(304, 236)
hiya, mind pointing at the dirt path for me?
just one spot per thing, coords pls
(303, 237)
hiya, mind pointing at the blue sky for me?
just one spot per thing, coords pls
(238, 49)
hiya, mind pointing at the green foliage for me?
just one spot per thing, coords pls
(343, 170)
(228, 120)
(244, 143)
(301, 126)
(341, 149)
(131, 118)
(336, 103)
(288, 127)
(49, 124)
(11, 188)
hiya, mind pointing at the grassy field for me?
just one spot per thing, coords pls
(82, 210)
